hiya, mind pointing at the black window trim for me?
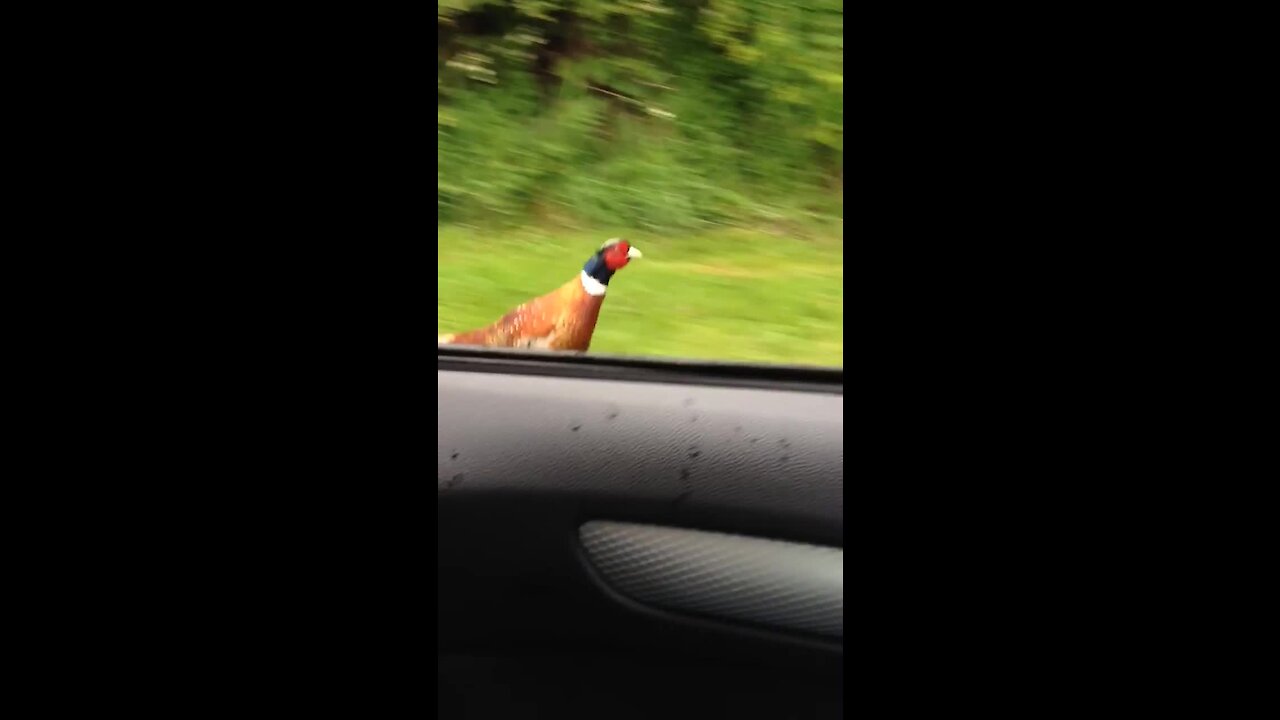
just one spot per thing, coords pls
(634, 369)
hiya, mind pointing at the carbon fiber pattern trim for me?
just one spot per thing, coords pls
(785, 585)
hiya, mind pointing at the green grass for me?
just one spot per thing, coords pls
(724, 295)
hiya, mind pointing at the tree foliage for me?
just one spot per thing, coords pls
(654, 113)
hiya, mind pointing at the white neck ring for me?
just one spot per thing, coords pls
(592, 285)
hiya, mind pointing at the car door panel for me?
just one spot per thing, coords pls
(536, 453)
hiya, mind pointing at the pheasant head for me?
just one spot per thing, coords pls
(610, 258)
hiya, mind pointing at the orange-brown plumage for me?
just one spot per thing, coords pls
(563, 319)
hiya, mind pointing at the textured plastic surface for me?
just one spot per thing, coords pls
(784, 585)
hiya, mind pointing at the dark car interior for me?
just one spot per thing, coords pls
(624, 538)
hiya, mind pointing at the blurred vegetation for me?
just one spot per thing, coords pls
(658, 114)
(709, 132)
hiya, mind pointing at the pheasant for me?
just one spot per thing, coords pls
(563, 319)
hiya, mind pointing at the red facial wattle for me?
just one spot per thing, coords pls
(616, 256)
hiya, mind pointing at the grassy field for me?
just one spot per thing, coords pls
(725, 295)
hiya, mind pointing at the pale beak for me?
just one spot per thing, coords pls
(633, 253)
